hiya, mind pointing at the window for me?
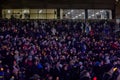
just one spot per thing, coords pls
(30, 13)
(99, 14)
(73, 14)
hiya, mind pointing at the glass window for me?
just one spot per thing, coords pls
(16, 11)
(30, 13)
(34, 13)
(25, 14)
(25, 11)
(46, 14)
(51, 14)
(73, 14)
(42, 13)
(34, 10)
(7, 13)
(99, 14)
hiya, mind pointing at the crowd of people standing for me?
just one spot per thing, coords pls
(59, 50)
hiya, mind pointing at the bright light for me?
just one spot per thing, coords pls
(40, 11)
(102, 11)
(117, 0)
(9, 11)
(2, 69)
(76, 16)
(89, 17)
(97, 13)
(26, 11)
(79, 14)
(82, 12)
(93, 15)
(68, 13)
(71, 10)
(73, 18)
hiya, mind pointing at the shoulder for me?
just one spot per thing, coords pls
(118, 78)
(106, 76)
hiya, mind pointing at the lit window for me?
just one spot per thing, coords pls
(9, 11)
(40, 11)
(26, 11)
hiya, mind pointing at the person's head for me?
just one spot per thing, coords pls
(50, 78)
(118, 78)
(85, 75)
(57, 78)
(35, 77)
(85, 78)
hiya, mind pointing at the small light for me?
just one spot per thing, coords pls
(2, 69)
(76, 16)
(71, 10)
(102, 11)
(82, 12)
(97, 13)
(13, 77)
(114, 69)
(117, 0)
(89, 17)
(9, 11)
(26, 11)
(40, 11)
(79, 14)
(73, 18)
(68, 13)
(93, 15)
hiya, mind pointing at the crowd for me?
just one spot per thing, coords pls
(59, 50)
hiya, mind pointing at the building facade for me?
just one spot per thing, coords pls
(60, 9)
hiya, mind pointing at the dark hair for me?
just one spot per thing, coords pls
(85, 78)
